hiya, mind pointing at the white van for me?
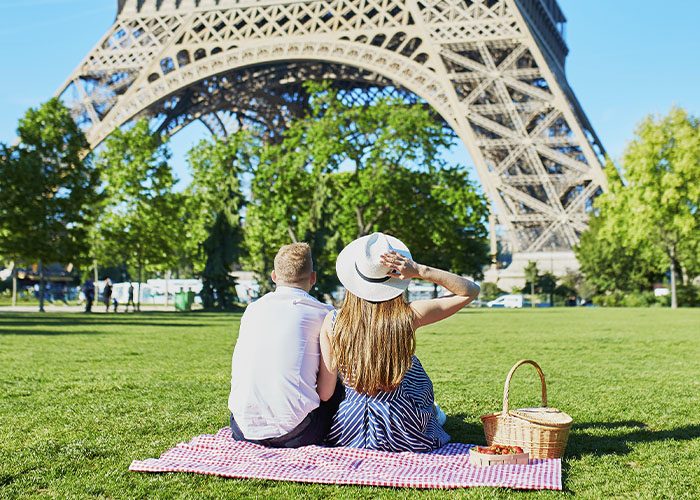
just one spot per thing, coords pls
(512, 301)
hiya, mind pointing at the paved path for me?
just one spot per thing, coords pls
(50, 308)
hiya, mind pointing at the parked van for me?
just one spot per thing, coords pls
(512, 301)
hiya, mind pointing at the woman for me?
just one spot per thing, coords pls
(370, 343)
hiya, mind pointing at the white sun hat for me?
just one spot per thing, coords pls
(361, 272)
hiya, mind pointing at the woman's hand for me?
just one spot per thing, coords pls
(401, 267)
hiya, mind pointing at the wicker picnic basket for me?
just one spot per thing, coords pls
(542, 431)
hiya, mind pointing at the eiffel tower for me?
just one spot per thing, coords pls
(492, 69)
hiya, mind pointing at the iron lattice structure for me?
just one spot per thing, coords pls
(492, 69)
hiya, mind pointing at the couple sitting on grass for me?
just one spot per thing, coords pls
(304, 373)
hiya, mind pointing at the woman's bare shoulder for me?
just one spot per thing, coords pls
(328, 321)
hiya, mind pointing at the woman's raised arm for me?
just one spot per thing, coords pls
(463, 290)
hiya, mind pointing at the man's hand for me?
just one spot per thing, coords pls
(401, 267)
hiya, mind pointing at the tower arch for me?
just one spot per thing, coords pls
(382, 66)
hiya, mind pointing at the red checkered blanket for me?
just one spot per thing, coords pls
(448, 467)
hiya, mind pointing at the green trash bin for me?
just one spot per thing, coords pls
(184, 300)
(181, 301)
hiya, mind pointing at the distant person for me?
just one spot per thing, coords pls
(130, 298)
(89, 293)
(62, 292)
(107, 294)
(115, 303)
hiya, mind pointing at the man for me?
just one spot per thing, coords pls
(107, 294)
(130, 298)
(273, 398)
(89, 292)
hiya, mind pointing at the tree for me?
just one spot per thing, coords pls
(547, 283)
(490, 291)
(442, 219)
(531, 276)
(215, 201)
(6, 157)
(662, 168)
(221, 248)
(346, 170)
(140, 223)
(648, 221)
(574, 284)
(612, 257)
(291, 201)
(49, 191)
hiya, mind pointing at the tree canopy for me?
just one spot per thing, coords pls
(49, 190)
(648, 223)
(215, 201)
(140, 221)
(347, 170)
(342, 171)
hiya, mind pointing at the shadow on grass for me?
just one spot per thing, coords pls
(39, 331)
(624, 434)
(618, 438)
(107, 318)
(44, 325)
(462, 431)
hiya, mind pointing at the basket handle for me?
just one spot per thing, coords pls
(506, 388)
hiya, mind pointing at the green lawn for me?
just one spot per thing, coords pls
(30, 300)
(82, 396)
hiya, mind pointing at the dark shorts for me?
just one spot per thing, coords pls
(312, 430)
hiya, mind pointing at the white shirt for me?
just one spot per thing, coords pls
(275, 363)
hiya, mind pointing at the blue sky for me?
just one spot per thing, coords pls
(628, 58)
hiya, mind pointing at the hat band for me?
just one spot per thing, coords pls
(371, 280)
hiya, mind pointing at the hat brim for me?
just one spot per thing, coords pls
(353, 282)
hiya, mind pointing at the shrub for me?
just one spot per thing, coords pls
(490, 291)
(627, 299)
(688, 296)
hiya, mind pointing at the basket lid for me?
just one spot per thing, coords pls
(543, 415)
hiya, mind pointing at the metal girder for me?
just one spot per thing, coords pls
(492, 69)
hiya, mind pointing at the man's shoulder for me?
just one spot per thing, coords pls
(259, 302)
(314, 303)
(304, 301)
(295, 299)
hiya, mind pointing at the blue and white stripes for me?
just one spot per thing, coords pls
(400, 420)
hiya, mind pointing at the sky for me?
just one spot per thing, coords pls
(628, 59)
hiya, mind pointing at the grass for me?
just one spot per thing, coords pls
(82, 396)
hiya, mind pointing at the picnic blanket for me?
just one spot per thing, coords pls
(448, 467)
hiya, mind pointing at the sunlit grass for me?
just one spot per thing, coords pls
(82, 396)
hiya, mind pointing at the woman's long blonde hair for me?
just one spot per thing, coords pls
(373, 343)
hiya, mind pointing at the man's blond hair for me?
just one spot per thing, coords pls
(293, 263)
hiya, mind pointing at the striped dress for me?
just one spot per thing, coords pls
(400, 420)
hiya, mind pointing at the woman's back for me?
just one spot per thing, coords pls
(399, 420)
